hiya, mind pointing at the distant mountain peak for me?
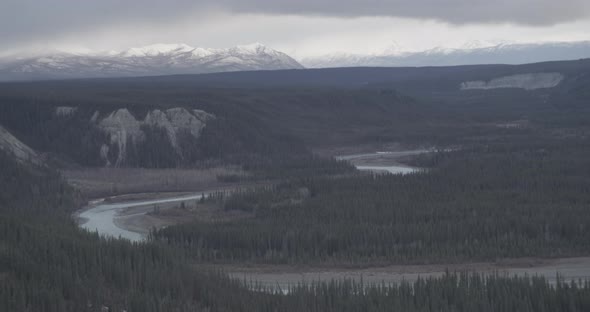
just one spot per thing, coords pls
(252, 48)
(176, 48)
(395, 48)
(202, 52)
(472, 52)
(478, 44)
(157, 49)
(154, 59)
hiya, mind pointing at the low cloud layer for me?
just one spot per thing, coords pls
(530, 12)
(29, 21)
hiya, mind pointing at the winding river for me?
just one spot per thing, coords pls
(101, 217)
(380, 162)
(105, 218)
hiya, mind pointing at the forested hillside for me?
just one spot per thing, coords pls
(511, 180)
(94, 125)
(502, 200)
(48, 264)
(426, 78)
(185, 121)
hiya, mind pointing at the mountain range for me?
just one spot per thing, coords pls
(157, 59)
(472, 53)
(170, 59)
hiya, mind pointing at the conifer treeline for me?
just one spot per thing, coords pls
(484, 203)
(235, 138)
(48, 264)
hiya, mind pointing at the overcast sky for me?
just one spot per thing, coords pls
(301, 28)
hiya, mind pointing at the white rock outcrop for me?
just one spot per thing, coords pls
(203, 115)
(11, 145)
(530, 81)
(124, 129)
(65, 111)
(104, 154)
(94, 117)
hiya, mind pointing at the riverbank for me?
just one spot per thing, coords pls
(285, 276)
(132, 220)
(133, 216)
(109, 182)
(385, 161)
(111, 219)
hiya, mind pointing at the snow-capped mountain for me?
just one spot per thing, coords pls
(157, 59)
(473, 52)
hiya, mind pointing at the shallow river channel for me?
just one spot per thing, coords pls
(103, 217)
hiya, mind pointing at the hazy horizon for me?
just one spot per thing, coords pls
(301, 29)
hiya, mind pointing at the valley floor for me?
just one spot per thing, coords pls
(284, 276)
(152, 198)
(162, 209)
(105, 182)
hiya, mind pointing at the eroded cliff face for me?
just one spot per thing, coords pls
(13, 146)
(124, 129)
(175, 120)
(65, 111)
(530, 81)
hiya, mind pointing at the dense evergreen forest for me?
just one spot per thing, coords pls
(255, 125)
(515, 184)
(498, 200)
(261, 127)
(75, 139)
(48, 264)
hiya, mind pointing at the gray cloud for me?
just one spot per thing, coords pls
(23, 21)
(530, 12)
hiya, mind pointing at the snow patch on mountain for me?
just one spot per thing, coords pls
(202, 52)
(472, 52)
(156, 59)
(254, 48)
(523, 81)
(157, 49)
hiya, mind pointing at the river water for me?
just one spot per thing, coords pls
(100, 217)
(568, 269)
(383, 162)
(389, 169)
